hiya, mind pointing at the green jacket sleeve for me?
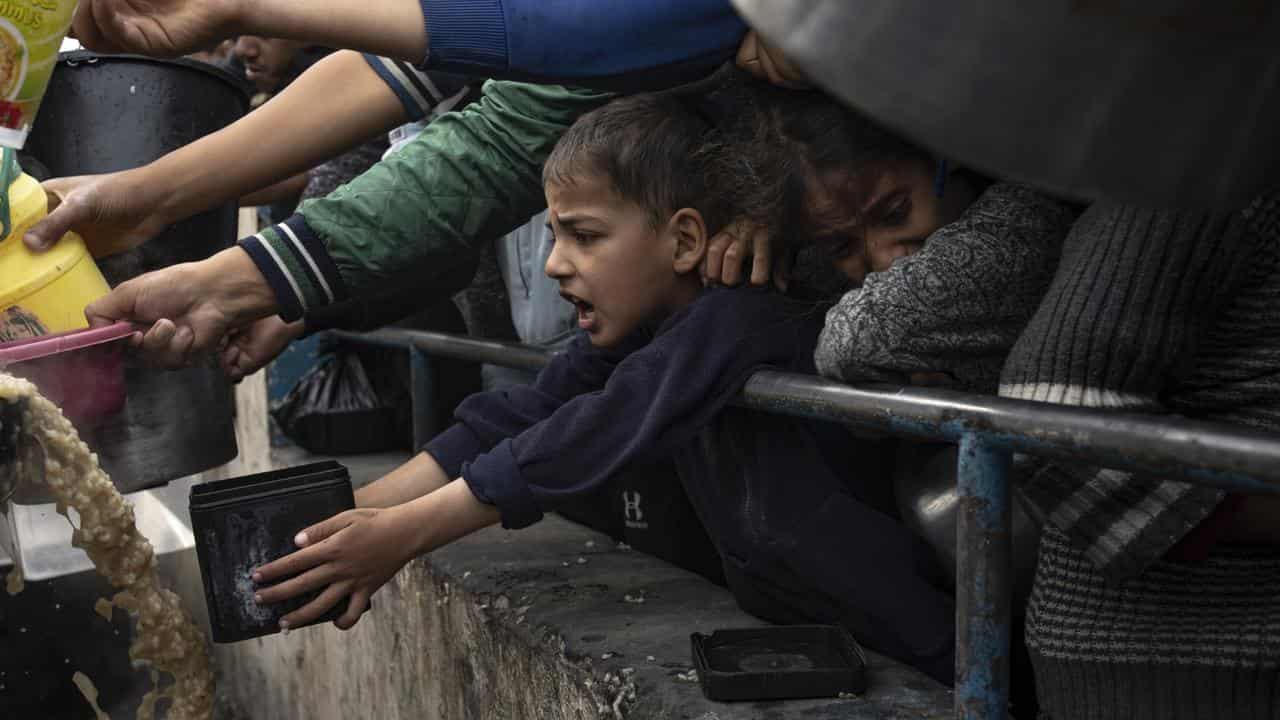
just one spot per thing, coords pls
(416, 218)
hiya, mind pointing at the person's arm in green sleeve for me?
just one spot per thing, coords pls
(417, 217)
(413, 219)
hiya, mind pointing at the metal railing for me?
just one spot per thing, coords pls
(989, 430)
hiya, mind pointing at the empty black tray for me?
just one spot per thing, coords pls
(243, 523)
(779, 662)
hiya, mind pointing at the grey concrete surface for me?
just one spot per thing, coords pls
(527, 624)
(553, 621)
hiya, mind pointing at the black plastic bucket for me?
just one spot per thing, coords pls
(243, 523)
(104, 113)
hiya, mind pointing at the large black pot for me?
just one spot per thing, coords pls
(104, 113)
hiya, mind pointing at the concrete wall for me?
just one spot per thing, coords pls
(424, 652)
(553, 621)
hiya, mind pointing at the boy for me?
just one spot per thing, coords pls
(633, 196)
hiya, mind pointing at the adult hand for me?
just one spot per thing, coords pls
(727, 252)
(351, 554)
(160, 28)
(188, 308)
(113, 212)
(250, 348)
(760, 58)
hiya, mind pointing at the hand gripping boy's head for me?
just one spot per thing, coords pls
(632, 201)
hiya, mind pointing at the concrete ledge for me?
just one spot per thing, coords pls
(552, 622)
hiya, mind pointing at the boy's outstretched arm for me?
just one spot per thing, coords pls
(417, 477)
(356, 552)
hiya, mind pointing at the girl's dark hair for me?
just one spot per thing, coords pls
(805, 141)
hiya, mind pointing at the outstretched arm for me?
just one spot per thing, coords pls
(356, 552)
(118, 211)
(617, 43)
(169, 28)
(354, 243)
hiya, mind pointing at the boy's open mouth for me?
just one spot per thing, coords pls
(586, 311)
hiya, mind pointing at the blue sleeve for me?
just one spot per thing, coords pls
(615, 44)
(656, 399)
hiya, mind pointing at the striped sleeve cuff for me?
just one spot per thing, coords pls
(421, 93)
(297, 267)
(466, 32)
(1120, 521)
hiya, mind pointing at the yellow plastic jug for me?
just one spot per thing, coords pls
(46, 292)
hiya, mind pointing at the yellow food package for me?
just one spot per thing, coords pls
(31, 32)
(43, 292)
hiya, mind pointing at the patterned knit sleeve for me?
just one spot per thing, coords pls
(1121, 327)
(958, 305)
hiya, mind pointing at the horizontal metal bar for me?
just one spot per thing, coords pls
(493, 352)
(1201, 452)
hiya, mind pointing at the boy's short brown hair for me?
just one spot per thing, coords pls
(655, 149)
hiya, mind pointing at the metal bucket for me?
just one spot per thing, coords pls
(104, 113)
(925, 487)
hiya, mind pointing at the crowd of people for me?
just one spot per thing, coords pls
(701, 213)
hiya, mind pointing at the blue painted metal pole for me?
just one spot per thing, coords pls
(983, 581)
(422, 396)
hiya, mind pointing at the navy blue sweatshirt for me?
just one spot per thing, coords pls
(804, 527)
(593, 411)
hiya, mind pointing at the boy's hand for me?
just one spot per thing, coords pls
(727, 252)
(354, 553)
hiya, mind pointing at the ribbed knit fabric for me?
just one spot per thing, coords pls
(466, 32)
(1153, 311)
(1134, 295)
(1180, 642)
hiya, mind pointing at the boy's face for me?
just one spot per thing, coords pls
(899, 210)
(612, 264)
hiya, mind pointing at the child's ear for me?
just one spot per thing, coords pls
(690, 235)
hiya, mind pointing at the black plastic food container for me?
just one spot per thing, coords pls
(243, 523)
(779, 662)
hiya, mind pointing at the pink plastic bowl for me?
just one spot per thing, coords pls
(81, 371)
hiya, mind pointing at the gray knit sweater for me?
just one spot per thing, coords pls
(1137, 295)
(1154, 311)
(958, 305)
